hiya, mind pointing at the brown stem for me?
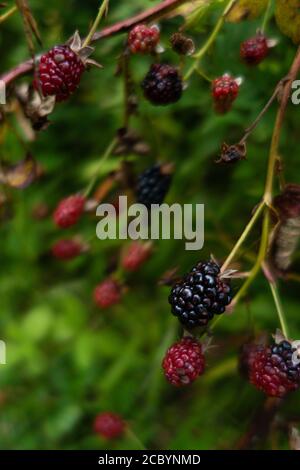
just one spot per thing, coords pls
(274, 151)
(151, 14)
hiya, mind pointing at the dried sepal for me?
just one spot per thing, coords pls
(84, 52)
(182, 44)
(232, 153)
(129, 142)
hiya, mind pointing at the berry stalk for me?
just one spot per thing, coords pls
(279, 308)
(104, 157)
(102, 12)
(198, 56)
(8, 14)
(244, 235)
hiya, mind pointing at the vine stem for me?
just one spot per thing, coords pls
(260, 258)
(210, 40)
(274, 150)
(244, 235)
(280, 312)
(151, 14)
(104, 157)
(133, 437)
(273, 158)
(8, 14)
(102, 11)
(267, 16)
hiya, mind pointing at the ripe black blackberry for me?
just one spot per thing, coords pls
(200, 295)
(153, 185)
(162, 85)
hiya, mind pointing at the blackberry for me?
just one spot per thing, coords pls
(143, 39)
(59, 72)
(254, 50)
(184, 362)
(273, 370)
(69, 211)
(67, 249)
(200, 295)
(107, 293)
(153, 185)
(225, 90)
(162, 85)
(136, 255)
(109, 425)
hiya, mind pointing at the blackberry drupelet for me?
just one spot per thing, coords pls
(200, 295)
(273, 371)
(162, 85)
(153, 185)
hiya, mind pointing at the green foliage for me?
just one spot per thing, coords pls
(67, 361)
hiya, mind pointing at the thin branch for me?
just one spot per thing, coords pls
(244, 235)
(279, 308)
(151, 14)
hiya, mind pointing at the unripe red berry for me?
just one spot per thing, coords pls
(143, 39)
(69, 210)
(184, 362)
(107, 293)
(66, 249)
(59, 72)
(254, 50)
(109, 425)
(136, 255)
(225, 90)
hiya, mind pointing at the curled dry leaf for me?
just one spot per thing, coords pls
(35, 107)
(20, 175)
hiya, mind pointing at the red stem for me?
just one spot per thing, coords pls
(151, 14)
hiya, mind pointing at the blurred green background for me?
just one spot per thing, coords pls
(67, 360)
